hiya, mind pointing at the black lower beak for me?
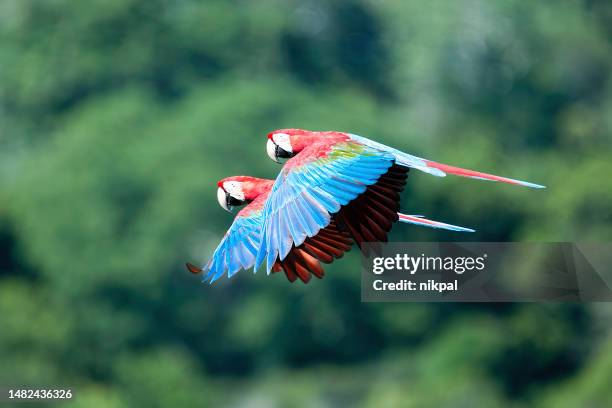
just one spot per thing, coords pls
(281, 153)
(231, 201)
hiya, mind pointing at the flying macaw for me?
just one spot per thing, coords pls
(241, 242)
(338, 176)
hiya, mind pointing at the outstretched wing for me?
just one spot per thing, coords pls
(314, 184)
(237, 249)
(437, 169)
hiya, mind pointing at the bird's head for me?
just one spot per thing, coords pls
(240, 190)
(286, 143)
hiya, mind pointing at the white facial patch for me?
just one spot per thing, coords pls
(234, 188)
(282, 140)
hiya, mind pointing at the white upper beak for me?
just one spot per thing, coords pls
(271, 149)
(221, 197)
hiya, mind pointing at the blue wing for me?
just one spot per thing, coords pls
(237, 249)
(310, 187)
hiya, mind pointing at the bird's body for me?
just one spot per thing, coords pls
(338, 175)
(240, 243)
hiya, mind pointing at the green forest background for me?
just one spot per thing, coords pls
(117, 118)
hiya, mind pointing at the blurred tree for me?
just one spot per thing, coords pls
(118, 117)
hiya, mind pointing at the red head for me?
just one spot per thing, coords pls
(286, 143)
(239, 190)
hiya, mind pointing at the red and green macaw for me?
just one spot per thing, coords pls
(341, 177)
(241, 242)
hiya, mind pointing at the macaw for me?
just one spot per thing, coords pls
(338, 176)
(241, 242)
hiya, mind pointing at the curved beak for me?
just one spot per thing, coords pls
(276, 152)
(222, 199)
(271, 150)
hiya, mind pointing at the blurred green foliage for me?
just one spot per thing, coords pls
(117, 117)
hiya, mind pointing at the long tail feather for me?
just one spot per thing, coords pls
(420, 220)
(438, 169)
(458, 171)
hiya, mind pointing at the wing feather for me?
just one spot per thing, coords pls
(327, 176)
(237, 249)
